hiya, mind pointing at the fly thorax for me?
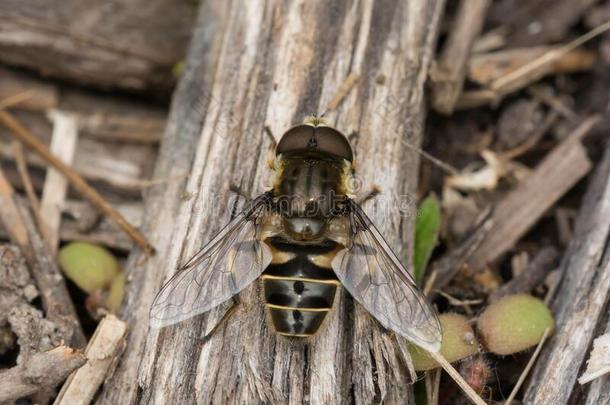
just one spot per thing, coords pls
(305, 229)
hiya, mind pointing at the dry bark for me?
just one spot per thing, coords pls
(450, 69)
(16, 285)
(42, 371)
(253, 64)
(523, 206)
(19, 224)
(599, 389)
(83, 222)
(102, 350)
(74, 178)
(117, 136)
(130, 44)
(579, 305)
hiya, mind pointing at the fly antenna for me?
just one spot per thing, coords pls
(342, 91)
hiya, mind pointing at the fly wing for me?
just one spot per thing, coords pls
(222, 268)
(374, 276)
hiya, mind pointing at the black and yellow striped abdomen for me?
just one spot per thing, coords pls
(299, 286)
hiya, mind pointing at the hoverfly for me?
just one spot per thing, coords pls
(303, 239)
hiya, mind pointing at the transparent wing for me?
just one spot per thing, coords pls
(222, 268)
(374, 276)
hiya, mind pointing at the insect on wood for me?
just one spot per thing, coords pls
(303, 239)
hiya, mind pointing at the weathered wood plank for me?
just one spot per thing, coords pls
(130, 44)
(581, 298)
(272, 63)
(521, 208)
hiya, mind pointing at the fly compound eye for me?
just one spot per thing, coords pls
(317, 139)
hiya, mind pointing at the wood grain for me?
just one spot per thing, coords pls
(579, 305)
(523, 206)
(259, 63)
(450, 69)
(42, 371)
(105, 344)
(599, 389)
(129, 44)
(56, 301)
(55, 189)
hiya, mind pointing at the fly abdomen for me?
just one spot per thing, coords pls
(299, 286)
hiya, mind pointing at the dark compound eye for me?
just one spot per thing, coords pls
(321, 139)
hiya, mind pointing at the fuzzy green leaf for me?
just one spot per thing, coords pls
(90, 266)
(427, 227)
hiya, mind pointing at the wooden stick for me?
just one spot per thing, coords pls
(446, 267)
(105, 345)
(75, 179)
(455, 376)
(41, 371)
(55, 298)
(527, 368)
(433, 381)
(579, 305)
(24, 173)
(543, 94)
(63, 146)
(533, 275)
(15, 99)
(529, 200)
(444, 166)
(448, 74)
(532, 139)
(533, 70)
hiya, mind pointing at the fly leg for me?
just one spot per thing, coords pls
(272, 145)
(353, 137)
(237, 189)
(372, 193)
(213, 324)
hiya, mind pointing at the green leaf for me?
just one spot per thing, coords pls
(427, 227)
(90, 266)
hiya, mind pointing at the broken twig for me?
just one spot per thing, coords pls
(63, 146)
(101, 354)
(448, 74)
(75, 179)
(41, 371)
(455, 376)
(448, 265)
(580, 303)
(527, 368)
(535, 69)
(24, 173)
(521, 208)
(55, 298)
(533, 275)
